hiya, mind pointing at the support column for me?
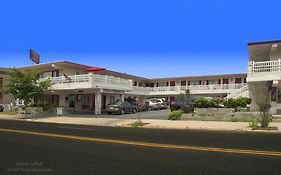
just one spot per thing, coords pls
(62, 101)
(98, 103)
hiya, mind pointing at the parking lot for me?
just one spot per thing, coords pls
(154, 114)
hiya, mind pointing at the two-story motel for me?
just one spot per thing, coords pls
(89, 89)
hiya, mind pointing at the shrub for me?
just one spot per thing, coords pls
(187, 108)
(137, 123)
(231, 103)
(244, 101)
(202, 103)
(253, 124)
(47, 107)
(234, 103)
(216, 101)
(175, 115)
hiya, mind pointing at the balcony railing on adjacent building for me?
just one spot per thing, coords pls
(264, 71)
(266, 66)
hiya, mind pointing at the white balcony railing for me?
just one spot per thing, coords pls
(266, 66)
(94, 81)
(264, 71)
(165, 90)
(89, 81)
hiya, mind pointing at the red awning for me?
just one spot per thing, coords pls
(94, 69)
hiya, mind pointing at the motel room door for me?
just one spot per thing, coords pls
(93, 102)
(103, 102)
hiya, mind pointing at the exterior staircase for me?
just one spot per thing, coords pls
(242, 92)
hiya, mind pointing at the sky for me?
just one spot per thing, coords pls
(141, 37)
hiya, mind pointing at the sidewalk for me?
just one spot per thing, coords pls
(150, 123)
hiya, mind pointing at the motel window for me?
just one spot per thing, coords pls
(140, 84)
(157, 84)
(245, 80)
(219, 81)
(225, 81)
(135, 83)
(200, 82)
(183, 83)
(238, 80)
(172, 83)
(55, 73)
(167, 83)
(146, 84)
(151, 84)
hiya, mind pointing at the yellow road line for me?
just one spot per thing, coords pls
(148, 144)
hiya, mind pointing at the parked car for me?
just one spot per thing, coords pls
(153, 105)
(120, 107)
(144, 106)
(140, 104)
(1, 108)
(163, 104)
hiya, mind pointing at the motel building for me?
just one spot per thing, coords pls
(87, 89)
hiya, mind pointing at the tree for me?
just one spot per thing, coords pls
(261, 97)
(24, 85)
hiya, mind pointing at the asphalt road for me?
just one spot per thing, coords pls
(68, 150)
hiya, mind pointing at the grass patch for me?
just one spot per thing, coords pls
(137, 123)
(8, 113)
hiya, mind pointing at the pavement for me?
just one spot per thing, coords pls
(51, 149)
(149, 123)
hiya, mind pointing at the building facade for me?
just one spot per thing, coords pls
(264, 74)
(74, 86)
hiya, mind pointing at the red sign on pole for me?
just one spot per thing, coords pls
(34, 56)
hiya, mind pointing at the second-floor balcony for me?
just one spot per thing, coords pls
(194, 89)
(264, 70)
(89, 81)
(94, 81)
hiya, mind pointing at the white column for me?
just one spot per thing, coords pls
(98, 103)
(91, 78)
(62, 99)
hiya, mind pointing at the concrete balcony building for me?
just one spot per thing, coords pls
(74, 86)
(264, 73)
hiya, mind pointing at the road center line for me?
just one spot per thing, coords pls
(147, 144)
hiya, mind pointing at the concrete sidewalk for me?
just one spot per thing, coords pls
(150, 123)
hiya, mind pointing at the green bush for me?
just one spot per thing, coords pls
(202, 102)
(137, 123)
(244, 101)
(234, 103)
(47, 107)
(175, 115)
(187, 108)
(253, 124)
